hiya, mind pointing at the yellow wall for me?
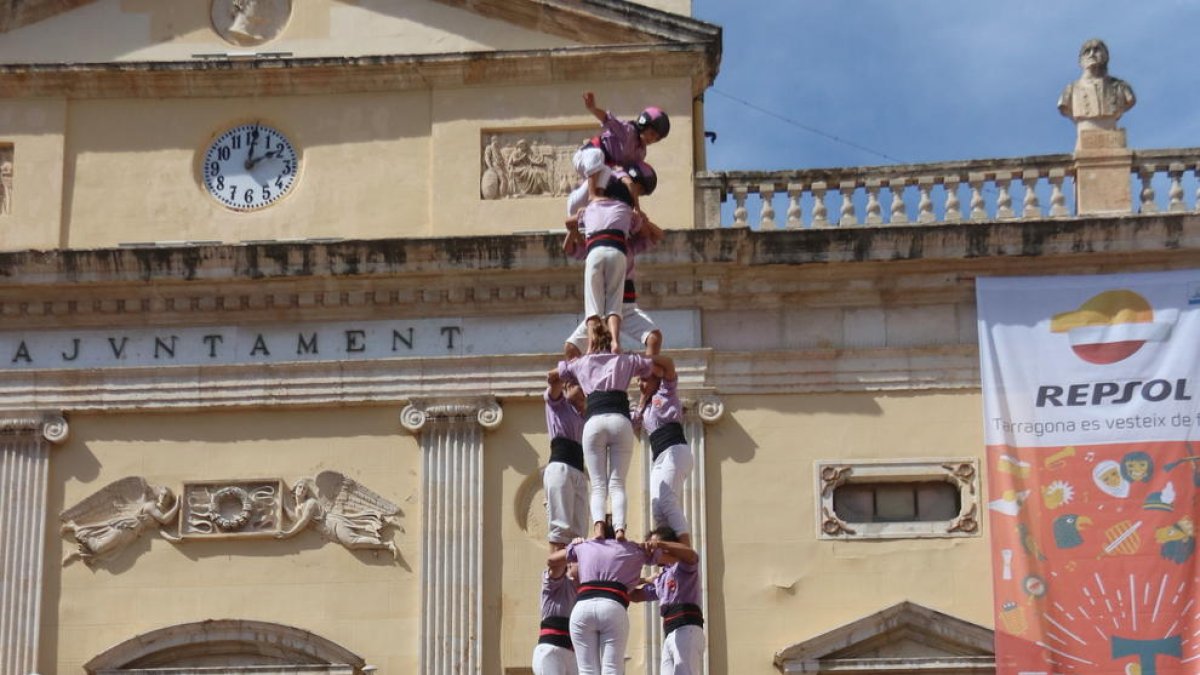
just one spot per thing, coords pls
(359, 600)
(34, 128)
(157, 30)
(771, 582)
(372, 165)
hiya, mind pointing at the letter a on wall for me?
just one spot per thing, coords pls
(1091, 389)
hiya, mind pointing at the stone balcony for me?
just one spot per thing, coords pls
(984, 190)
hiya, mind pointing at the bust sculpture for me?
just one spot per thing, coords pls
(1096, 100)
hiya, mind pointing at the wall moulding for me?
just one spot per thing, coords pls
(391, 381)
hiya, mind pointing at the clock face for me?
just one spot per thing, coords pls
(249, 167)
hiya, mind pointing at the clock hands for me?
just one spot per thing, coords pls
(272, 154)
(250, 159)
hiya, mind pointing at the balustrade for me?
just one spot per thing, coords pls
(1028, 188)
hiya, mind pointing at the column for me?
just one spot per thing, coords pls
(25, 440)
(1102, 167)
(451, 437)
(698, 412)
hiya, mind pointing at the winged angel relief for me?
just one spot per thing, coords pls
(115, 516)
(342, 510)
(339, 508)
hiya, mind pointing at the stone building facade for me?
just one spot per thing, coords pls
(295, 426)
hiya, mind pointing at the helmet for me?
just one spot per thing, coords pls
(643, 174)
(656, 119)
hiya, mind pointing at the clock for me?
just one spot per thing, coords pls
(250, 166)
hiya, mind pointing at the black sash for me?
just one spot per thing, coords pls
(567, 451)
(556, 630)
(609, 590)
(681, 614)
(602, 402)
(610, 238)
(630, 292)
(664, 437)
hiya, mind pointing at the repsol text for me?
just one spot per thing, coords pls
(1112, 393)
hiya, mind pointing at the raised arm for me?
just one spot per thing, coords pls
(589, 102)
(555, 389)
(682, 552)
(667, 364)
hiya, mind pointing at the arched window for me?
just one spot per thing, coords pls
(228, 646)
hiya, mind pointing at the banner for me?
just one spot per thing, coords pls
(1091, 388)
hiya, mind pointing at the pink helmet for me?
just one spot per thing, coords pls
(643, 174)
(656, 119)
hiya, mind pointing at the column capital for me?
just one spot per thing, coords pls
(705, 404)
(484, 410)
(51, 425)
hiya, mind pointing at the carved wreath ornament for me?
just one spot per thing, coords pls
(230, 508)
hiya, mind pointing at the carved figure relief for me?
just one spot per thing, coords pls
(6, 180)
(529, 164)
(231, 509)
(116, 516)
(250, 22)
(342, 510)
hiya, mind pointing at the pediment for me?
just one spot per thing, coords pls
(897, 639)
(100, 31)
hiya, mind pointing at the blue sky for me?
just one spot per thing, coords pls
(935, 80)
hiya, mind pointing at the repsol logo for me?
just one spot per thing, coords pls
(1111, 393)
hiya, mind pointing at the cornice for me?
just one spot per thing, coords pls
(727, 269)
(452, 386)
(339, 75)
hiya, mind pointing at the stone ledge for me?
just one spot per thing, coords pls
(393, 381)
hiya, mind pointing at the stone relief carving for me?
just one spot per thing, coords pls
(529, 164)
(342, 510)
(6, 180)
(231, 509)
(250, 22)
(116, 516)
(1096, 100)
(339, 508)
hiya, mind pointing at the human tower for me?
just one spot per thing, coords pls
(594, 570)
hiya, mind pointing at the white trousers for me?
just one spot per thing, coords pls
(607, 452)
(554, 660)
(567, 509)
(587, 161)
(683, 652)
(599, 631)
(670, 469)
(634, 323)
(603, 281)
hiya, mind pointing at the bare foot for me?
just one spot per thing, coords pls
(620, 535)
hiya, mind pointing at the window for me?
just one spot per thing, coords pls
(903, 499)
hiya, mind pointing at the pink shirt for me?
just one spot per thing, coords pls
(621, 141)
(605, 372)
(664, 407)
(562, 419)
(609, 214)
(678, 583)
(558, 595)
(609, 560)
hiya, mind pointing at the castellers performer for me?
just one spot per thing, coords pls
(608, 569)
(660, 414)
(563, 479)
(555, 653)
(677, 589)
(620, 143)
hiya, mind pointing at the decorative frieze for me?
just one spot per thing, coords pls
(341, 509)
(25, 439)
(529, 163)
(6, 180)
